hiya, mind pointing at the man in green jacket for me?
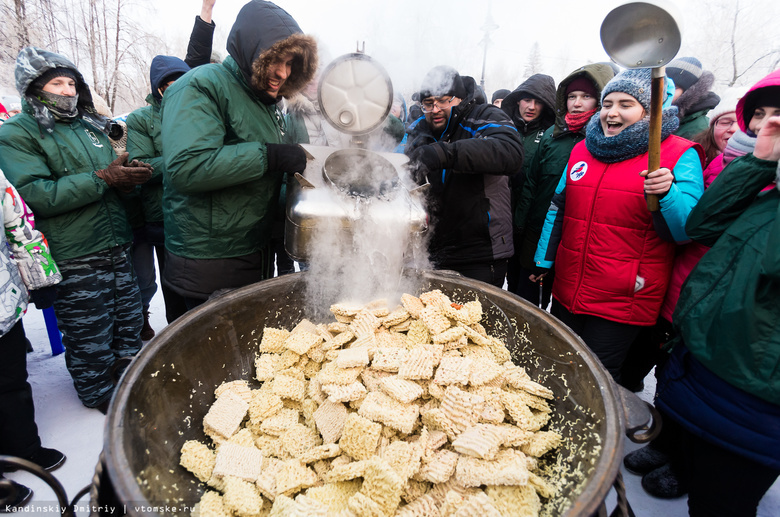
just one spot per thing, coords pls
(144, 207)
(225, 154)
(58, 155)
(692, 95)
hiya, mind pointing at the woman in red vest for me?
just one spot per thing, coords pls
(613, 258)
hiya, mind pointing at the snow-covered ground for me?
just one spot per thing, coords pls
(65, 424)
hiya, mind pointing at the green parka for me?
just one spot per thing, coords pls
(728, 314)
(219, 196)
(548, 164)
(144, 142)
(54, 171)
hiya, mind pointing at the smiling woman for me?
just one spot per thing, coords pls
(613, 259)
(619, 111)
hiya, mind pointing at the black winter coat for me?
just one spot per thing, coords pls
(469, 202)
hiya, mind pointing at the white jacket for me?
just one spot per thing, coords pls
(25, 260)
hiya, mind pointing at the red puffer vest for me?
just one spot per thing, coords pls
(608, 239)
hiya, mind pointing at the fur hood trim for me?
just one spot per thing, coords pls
(304, 66)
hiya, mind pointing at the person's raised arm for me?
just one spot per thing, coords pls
(202, 37)
(768, 148)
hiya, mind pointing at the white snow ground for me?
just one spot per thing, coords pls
(64, 424)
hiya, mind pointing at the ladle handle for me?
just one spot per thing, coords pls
(654, 144)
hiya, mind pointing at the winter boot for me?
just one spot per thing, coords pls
(664, 483)
(15, 498)
(147, 332)
(644, 460)
(47, 459)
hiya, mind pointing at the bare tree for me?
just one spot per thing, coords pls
(534, 63)
(111, 50)
(736, 41)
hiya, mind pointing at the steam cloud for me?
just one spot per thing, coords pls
(364, 260)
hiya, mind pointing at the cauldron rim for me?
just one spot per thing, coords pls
(587, 501)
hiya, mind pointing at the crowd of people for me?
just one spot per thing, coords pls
(542, 189)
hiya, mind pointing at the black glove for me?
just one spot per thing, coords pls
(123, 175)
(44, 298)
(432, 156)
(285, 158)
(427, 159)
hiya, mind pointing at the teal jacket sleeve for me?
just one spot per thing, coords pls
(553, 226)
(685, 192)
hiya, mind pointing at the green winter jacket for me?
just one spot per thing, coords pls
(219, 198)
(547, 166)
(144, 142)
(54, 173)
(728, 314)
(693, 124)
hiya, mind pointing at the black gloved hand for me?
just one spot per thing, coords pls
(427, 159)
(44, 298)
(285, 158)
(123, 175)
(432, 156)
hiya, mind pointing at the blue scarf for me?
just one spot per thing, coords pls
(631, 142)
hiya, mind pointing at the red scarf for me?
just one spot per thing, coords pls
(576, 121)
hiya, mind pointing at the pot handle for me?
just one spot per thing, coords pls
(623, 508)
(66, 510)
(643, 422)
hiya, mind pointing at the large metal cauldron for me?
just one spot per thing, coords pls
(167, 390)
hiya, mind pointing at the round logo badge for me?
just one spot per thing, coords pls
(578, 171)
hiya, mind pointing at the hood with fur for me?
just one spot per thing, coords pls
(264, 32)
(698, 96)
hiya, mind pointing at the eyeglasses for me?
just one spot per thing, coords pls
(725, 123)
(441, 103)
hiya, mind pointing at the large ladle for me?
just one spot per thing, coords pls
(644, 35)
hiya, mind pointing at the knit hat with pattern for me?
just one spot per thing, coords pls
(633, 81)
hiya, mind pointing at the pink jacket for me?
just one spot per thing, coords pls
(688, 255)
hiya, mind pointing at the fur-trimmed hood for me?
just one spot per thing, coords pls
(263, 32)
(698, 97)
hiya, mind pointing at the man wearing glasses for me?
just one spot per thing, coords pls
(466, 151)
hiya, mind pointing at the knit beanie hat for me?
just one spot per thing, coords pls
(582, 84)
(727, 104)
(12, 103)
(50, 74)
(633, 81)
(684, 71)
(443, 80)
(499, 94)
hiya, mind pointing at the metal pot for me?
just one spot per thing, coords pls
(167, 390)
(339, 190)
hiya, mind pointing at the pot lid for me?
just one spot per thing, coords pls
(355, 94)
